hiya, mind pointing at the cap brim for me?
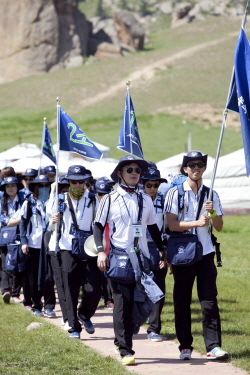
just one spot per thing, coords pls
(90, 246)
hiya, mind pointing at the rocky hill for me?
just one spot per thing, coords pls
(47, 35)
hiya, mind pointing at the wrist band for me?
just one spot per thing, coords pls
(213, 214)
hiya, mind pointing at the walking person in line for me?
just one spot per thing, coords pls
(151, 182)
(127, 212)
(204, 271)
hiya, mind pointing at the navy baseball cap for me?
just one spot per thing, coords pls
(39, 180)
(11, 180)
(50, 169)
(31, 172)
(76, 172)
(102, 186)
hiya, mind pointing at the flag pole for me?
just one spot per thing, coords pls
(41, 154)
(223, 126)
(57, 158)
(128, 83)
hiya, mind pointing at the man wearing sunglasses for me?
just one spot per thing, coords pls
(151, 183)
(194, 165)
(120, 209)
(74, 270)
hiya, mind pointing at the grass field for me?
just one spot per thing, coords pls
(233, 295)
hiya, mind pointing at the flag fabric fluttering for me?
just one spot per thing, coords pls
(232, 103)
(48, 146)
(129, 139)
(73, 139)
(242, 83)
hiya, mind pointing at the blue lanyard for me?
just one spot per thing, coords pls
(83, 209)
(126, 207)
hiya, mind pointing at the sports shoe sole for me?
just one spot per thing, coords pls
(6, 298)
(129, 363)
(222, 357)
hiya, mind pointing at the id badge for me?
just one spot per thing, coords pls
(72, 230)
(137, 230)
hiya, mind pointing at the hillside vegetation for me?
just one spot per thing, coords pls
(188, 65)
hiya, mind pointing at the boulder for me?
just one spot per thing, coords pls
(34, 325)
(106, 51)
(180, 14)
(166, 8)
(129, 30)
(39, 36)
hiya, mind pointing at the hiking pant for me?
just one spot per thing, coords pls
(122, 316)
(9, 282)
(72, 278)
(155, 316)
(91, 289)
(30, 277)
(58, 274)
(49, 285)
(205, 273)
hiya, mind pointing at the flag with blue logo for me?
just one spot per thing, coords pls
(48, 146)
(242, 83)
(129, 139)
(73, 139)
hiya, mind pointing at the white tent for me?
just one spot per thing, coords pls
(24, 150)
(231, 182)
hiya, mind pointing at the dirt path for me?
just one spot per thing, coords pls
(148, 71)
(151, 357)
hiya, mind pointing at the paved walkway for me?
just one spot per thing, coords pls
(151, 357)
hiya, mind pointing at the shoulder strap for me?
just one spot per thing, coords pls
(205, 189)
(180, 197)
(140, 202)
(71, 210)
(108, 209)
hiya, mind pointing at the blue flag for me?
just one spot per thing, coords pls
(242, 81)
(47, 145)
(232, 103)
(73, 139)
(129, 139)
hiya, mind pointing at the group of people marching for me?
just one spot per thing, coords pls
(126, 221)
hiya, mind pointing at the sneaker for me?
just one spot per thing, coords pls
(66, 326)
(117, 350)
(185, 354)
(154, 337)
(109, 306)
(88, 326)
(6, 297)
(217, 353)
(128, 360)
(49, 313)
(74, 335)
(136, 329)
(38, 313)
(28, 307)
(16, 299)
(62, 322)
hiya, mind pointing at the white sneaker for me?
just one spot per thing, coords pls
(62, 322)
(185, 354)
(217, 353)
(66, 326)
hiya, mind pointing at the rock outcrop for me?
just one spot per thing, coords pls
(39, 36)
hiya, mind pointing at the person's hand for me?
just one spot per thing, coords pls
(102, 261)
(55, 218)
(203, 221)
(53, 188)
(25, 249)
(209, 207)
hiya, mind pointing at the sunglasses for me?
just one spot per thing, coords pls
(192, 165)
(28, 179)
(130, 170)
(149, 186)
(74, 182)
